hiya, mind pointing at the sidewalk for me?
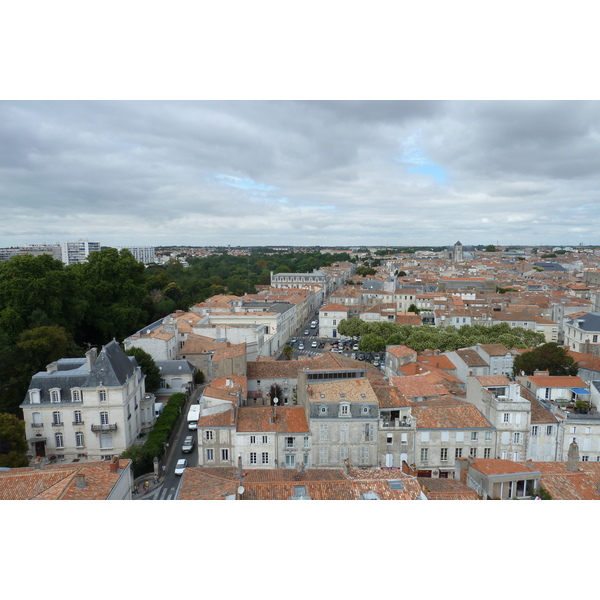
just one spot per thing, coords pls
(151, 491)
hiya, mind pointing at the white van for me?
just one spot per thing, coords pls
(158, 408)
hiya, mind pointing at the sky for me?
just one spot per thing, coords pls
(300, 172)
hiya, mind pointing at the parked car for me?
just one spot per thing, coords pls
(376, 362)
(293, 340)
(188, 444)
(306, 332)
(361, 356)
(355, 347)
(180, 466)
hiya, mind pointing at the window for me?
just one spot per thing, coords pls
(34, 396)
(76, 395)
(323, 432)
(344, 410)
(424, 436)
(252, 439)
(487, 452)
(290, 442)
(265, 439)
(549, 430)
(488, 436)
(54, 396)
(534, 430)
(585, 458)
(588, 430)
(323, 410)
(56, 418)
(473, 452)
(225, 454)
(209, 435)
(424, 454)
(344, 432)
(516, 438)
(210, 455)
(390, 438)
(404, 438)
(573, 429)
(506, 418)
(364, 454)
(323, 455)
(504, 454)
(444, 454)
(445, 436)
(460, 436)
(306, 442)
(252, 458)
(458, 453)
(290, 461)
(102, 394)
(104, 418)
(369, 428)
(77, 418)
(264, 458)
(58, 440)
(473, 436)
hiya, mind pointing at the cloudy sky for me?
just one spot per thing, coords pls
(305, 173)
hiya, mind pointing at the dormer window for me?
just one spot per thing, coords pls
(323, 410)
(102, 395)
(55, 395)
(344, 410)
(34, 396)
(365, 410)
(76, 395)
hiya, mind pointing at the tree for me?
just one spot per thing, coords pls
(13, 445)
(275, 391)
(371, 342)
(148, 366)
(288, 352)
(548, 357)
(490, 248)
(413, 309)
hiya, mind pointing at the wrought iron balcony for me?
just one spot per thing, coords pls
(104, 427)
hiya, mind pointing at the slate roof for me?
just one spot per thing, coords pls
(112, 368)
(587, 322)
(175, 367)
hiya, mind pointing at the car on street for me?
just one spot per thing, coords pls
(306, 332)
(180, 466)
(293, 340)
(355, 347)
(361, 356)
(314, 344)
(188, 444)
(301, 346)
(375, 362)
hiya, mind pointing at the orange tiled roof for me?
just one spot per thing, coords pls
(563, 484)
(450, 415)
(446, 489)
(493, 380)
(58, 482)
(557, 381)
(288, 419)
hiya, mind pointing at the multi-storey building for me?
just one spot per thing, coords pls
(87, 408)
(77, 252)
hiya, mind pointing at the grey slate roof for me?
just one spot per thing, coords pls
(174, 367)
(111, 369)
(588, 322)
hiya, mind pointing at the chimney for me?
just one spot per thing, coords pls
(80, 481)
(52, 367)
(463, 468)
(239, 466)
(91, 356)
(573, 457)
(114, 464)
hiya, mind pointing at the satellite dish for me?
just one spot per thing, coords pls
(241, 489)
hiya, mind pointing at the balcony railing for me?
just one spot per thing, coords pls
(395, 423)
(37, 424)
(57, 424)
(104, 427)
(77, 422)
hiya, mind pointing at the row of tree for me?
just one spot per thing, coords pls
(376, 335)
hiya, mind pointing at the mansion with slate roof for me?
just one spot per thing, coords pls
(87, 408)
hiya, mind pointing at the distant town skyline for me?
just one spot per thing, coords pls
(310, 173)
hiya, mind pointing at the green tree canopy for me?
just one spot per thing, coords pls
(371, 342)
(548, 357)
(13, 445)
(148, 366)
